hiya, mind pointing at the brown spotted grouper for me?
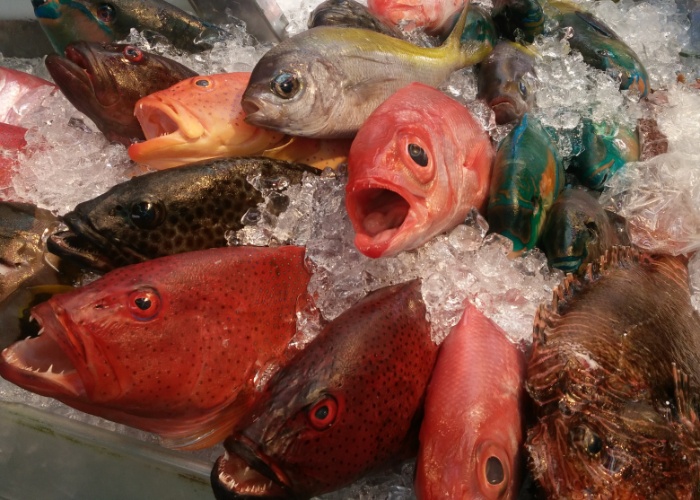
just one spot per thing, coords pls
(614, 373)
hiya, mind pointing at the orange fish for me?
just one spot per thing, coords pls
(201, 119)
(175, 345)
(417, 166)
(434, 16)
(472, 432)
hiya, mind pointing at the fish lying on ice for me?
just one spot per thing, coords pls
(433, 16)
(615, 376)
(173, 211)
(173, 346)
(416, 168)
(351, 14)
(350, 403)
(20, 93)
(68, 21)
(472, 433)
(200, 119)
(325, 82)
(105, 81)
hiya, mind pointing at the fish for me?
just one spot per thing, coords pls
(433, 16)
(578, 230)
(528, 174)
(519, 19)
(472, 434)
(479, 28)
(316, 429)
(69, 21)
(105, 82)
(605, 148)
(12, 143)
(652, 142)
(263, 19)
(416, 168)
(200, 119)
(506, 81)
(20, 94)
(173, 211)
(351, 14)
(600, 46)
(614, 372)
(175, 346)
(303, 85)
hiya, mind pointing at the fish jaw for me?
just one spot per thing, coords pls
(385, 217)
(506, 109)
(47, 364)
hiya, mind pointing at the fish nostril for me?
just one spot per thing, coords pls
(249, 107)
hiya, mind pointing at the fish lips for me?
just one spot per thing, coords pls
(46, 364)
(382, 216)
(505, 109)
(244, 473)
(82, 243)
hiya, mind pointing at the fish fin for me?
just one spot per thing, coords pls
(471, 51)
(597, 25)
(682, 390)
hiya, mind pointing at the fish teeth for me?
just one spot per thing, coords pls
(50, 370)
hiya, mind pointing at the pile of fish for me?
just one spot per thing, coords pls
(177, 301)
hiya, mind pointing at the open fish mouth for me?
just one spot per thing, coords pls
(159, 118)
(42, 364)
(505, 109)
(377, 214)
(72, 78)
(243, 473)
(82, 244)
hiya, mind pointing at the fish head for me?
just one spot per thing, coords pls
(69, 21)
(104, 81)
(434, 17)
(294, 91)
(317, 430)
(418, 165)
(197, 119)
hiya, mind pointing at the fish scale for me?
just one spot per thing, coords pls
(614, 374)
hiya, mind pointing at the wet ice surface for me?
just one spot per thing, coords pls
(68, 161)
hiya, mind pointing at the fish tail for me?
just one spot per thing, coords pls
(469, 52)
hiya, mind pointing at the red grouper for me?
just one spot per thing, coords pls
(12, 143)
(472, 433)
(173, 346)
(348, 405)
(418, 165)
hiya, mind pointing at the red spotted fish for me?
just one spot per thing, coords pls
(416, 168)
(201, 118)
(472, 434)
(348, 405)
(434, 16)
(12, 142)
(174, 346)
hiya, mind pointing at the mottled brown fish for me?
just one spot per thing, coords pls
(173, 211)
(614, 373)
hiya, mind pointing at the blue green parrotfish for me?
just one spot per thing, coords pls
(605, 148)
(66, 21)
(519, 19)
(527, 176)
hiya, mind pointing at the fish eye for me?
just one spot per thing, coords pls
(106, 12)
(418, 155)
(603, 52)
(592, 228)
(285, 85)
(589, 441)
(202, 82)
(523, 89)
(494, 471)
(144, 304)
(133, 54)
(323, 413)
(38, 3)
(146, 214)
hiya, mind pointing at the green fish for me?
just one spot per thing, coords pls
(600, 46)
(605, 148)
(527, 176)
(577, 231)
(519, 19)
(479, 27)
(325, 82)
(67, 21)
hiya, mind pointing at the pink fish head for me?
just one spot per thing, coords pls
(198, 119)
(432, 15)
(172, 345)
(416, 168)
(472, 433)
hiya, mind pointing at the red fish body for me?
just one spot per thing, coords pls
(172, 346)
(19, 93)
(12, 142)
(472, 433)
(416, 168)
(347, 405)
(433, 16)
(201, 119)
